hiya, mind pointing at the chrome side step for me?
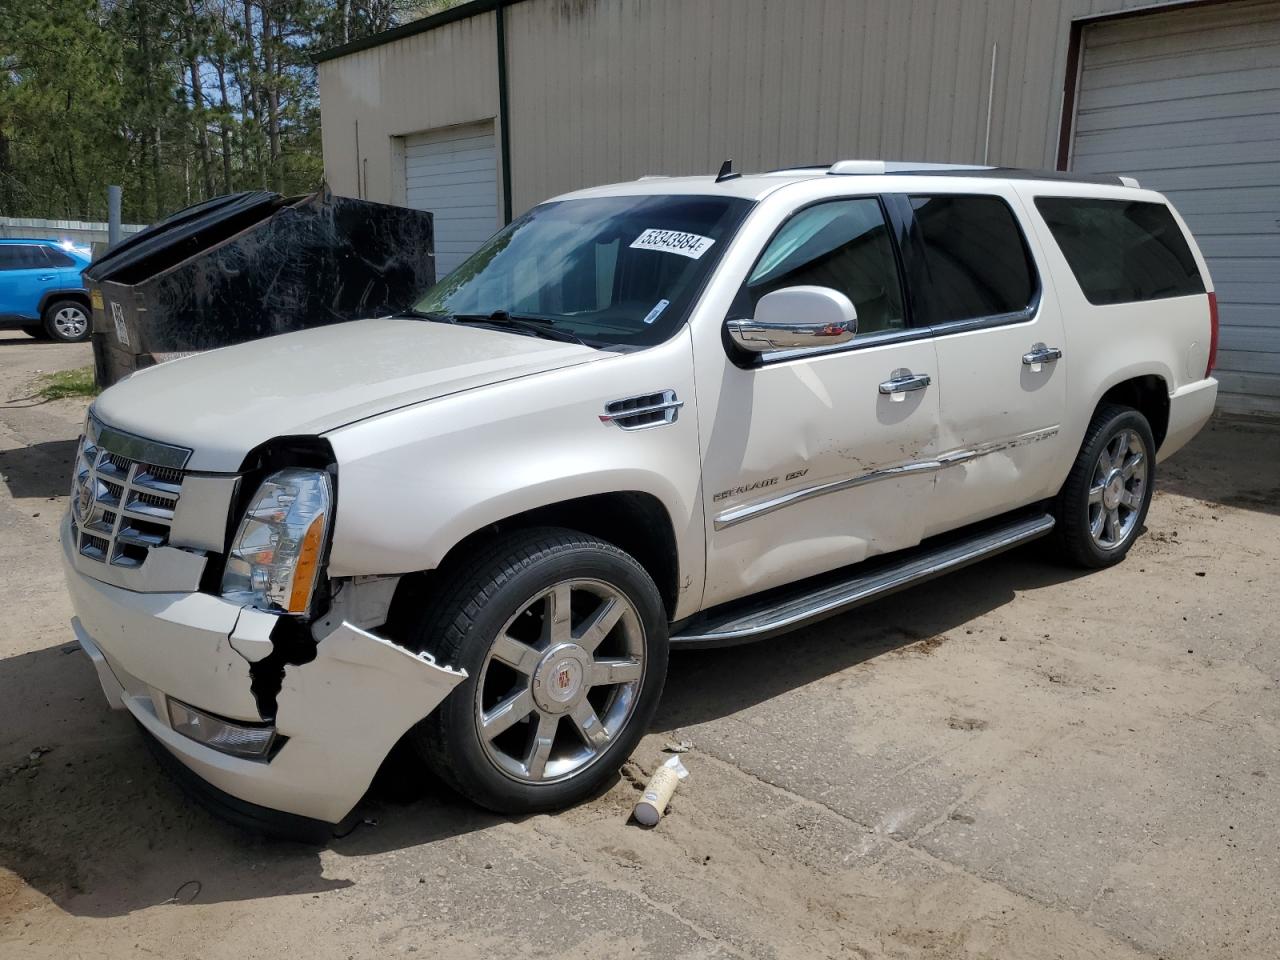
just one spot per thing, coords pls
(786, 610)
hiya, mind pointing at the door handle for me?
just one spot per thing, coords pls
(904, 381)
(1039, 353)
(47, 276)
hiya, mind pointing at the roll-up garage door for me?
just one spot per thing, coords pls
(1188, 102)
(453, 172)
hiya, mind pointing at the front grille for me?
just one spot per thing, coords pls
(124, 494)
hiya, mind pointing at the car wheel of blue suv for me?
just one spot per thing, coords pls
(67, 321)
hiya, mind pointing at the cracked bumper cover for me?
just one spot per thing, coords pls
(341, 713)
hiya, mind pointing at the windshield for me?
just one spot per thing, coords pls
(608, 270)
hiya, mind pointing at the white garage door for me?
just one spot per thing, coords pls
(1189, 103)
(454, 173)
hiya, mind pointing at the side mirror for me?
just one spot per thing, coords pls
(795, 318)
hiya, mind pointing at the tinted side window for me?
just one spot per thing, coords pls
(21, 256)
(1122, 251)
(976, 256)
(842, 244)
(57, 258)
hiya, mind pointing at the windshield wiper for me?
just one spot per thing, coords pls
(538, 326)
(424, 315)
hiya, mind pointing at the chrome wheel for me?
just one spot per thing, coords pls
(70, 323)
(560, 681)
(1117, 489)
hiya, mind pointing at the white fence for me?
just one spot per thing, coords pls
(77, 231)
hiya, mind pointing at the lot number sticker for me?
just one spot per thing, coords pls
(673, 241)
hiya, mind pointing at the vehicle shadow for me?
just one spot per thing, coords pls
(1232, 462)
(922, 617)
(40, 470)
(90, 821)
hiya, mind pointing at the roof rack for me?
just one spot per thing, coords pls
(871, 168)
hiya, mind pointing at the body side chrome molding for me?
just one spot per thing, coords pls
(952, 458)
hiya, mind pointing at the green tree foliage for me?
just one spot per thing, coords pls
(175, 100)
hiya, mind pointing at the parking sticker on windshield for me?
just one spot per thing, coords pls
(689, 245)
(656, 312)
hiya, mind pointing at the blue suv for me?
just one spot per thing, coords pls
(41, 290)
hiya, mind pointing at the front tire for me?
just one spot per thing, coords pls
(1101, 508)
(67, 321)
(564, 640)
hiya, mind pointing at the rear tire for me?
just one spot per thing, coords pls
(67, 321)
(564, 640)
(1101, 508)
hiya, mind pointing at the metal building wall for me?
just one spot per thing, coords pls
(371, 99)
(1188, 101)
(604, 90)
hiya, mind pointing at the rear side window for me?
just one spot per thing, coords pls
(1122, 251)
(977, 258)
(841, 244)
(57, 257)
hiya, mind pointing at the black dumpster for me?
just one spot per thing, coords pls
(251, 265)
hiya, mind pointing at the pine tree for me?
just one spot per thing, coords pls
(175, 100)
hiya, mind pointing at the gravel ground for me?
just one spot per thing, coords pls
(1015, 761)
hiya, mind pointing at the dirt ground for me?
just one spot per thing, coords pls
(1015, 761)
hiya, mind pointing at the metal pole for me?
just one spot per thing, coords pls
(504, 113)
(113, 216)
(991, 96)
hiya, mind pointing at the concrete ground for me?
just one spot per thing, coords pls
(1016, 761)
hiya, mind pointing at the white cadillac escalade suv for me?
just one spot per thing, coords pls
(690, 411)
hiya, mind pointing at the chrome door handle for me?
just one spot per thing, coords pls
(904, 381)
(1039, 353)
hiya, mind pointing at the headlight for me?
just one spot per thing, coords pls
(275, 557)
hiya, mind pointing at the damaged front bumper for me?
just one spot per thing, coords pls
(336, 719)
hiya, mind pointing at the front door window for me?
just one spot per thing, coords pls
(841, 244)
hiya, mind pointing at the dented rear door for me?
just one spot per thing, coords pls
(1002, 353)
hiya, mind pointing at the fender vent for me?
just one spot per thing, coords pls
(647, 410)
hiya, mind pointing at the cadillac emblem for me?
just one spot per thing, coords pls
(86, 495)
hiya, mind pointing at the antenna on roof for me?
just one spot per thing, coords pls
(726, 172)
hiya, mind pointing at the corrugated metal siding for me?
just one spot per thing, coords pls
(605, 90)
(454, 174)
(441, 78)
(1189, 102)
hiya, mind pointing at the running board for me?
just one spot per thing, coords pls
(788, 609)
